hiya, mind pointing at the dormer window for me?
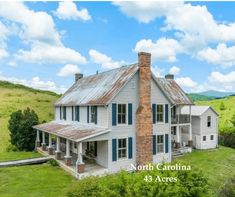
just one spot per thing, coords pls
(122, 114)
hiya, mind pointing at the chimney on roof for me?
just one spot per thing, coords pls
(169, 76)
(78, 76)
(144, 130)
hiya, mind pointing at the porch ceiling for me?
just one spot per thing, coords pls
(71, 130)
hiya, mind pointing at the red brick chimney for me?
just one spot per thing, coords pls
(144, 127)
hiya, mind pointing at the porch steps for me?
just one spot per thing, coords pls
(177, 153)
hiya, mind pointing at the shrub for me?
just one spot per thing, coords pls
(53, 162)
(222, 106)
(233, 120)
(229, 188)
(22, 134)
(11, 148)
(124, 184)
(227, 137)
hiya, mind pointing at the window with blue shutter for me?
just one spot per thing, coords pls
(72, 113)
(114, 114)
(166, 113)
(96, 115)
(114, 149)
(129, 113)
(166, 143)
(154, 145)
(154, 113)
(130, 147)
(88, 114)
(77, 113)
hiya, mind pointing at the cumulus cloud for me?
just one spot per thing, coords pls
(157, 71)
(174, 70)
(186, 82)
(222, 55)
(67, 10)
(36, 83)
(105, 61)
(222, 78)
(162, 49)
(68, 69)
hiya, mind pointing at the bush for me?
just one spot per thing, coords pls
(229, 188)
(222, 106)
(53, 162)
(227, 137)
(11, 148)
(22, 135)
(124, 184)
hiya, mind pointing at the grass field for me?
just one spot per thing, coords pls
(15, 97)
(218, 165)
(224, 115)
(34, 181)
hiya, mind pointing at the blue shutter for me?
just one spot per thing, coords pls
(130, 113)
(96, 114)
(72, 113)
(130, 147)
(114, 114)
(64, 113)
(154, 145)
(166, 143)
(166, 113)
(77, 113)
(154, 113)
(114, 149)
(88, 114)
(60, 113)
(95, 148)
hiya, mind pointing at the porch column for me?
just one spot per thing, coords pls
(43, 141)
(38, 139)
(58, 152)
(50, 149)
(177, 136)
(79, 163)
(68, 158)
(190, 142)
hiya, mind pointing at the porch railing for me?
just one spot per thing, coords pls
(180, 119)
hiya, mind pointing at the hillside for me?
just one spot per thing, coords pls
(14, 97)
(199, 97)
(216, 94)
(224, 115)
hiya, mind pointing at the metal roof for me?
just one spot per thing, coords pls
(72, 130)
(98, 89)
(196, 110)
(173, 91)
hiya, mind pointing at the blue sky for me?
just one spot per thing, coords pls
(42, 44)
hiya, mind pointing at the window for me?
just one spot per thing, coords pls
(121, 113)
(93, 114)
(122, 148)
(77, 113)
(204, 138)
(160, 113)
(160, 143)
(212, 137)
(64, 113)
(173, 130)
(208, 121)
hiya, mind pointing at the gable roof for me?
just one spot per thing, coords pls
(98, 89)
(196, 110)
(173, 91)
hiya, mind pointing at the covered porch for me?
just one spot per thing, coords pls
(72, 146)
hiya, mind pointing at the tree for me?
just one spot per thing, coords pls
(233, 120)
(21, 132)
(222, 107)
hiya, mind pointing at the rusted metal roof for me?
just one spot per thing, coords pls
(98, 89)
(72, 130)
(173, 91)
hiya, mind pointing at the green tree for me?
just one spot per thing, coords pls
(20, 125)
(233, 120)
(222, 106)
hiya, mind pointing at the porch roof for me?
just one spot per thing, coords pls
(72, 130)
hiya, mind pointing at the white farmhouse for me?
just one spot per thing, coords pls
(108, 121)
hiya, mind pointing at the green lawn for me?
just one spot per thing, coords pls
(9, 156)
(224, 115)
(218, 165)
(15, 97)
(34, 181)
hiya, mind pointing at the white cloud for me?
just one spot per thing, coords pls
(68, 69)
(186, 82)
(163, 49)
(3, 53)
(36, 83)
(222, 78)
(68, 10)
(157, 71)
(12, 64)
(222, 55)
(174, 70)
(45, 53)
(105, 61)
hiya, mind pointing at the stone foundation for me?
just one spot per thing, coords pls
(80, 168)
(58, 155)
(44, 147)
(68, 160)
(50, 151)
(190, 143)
